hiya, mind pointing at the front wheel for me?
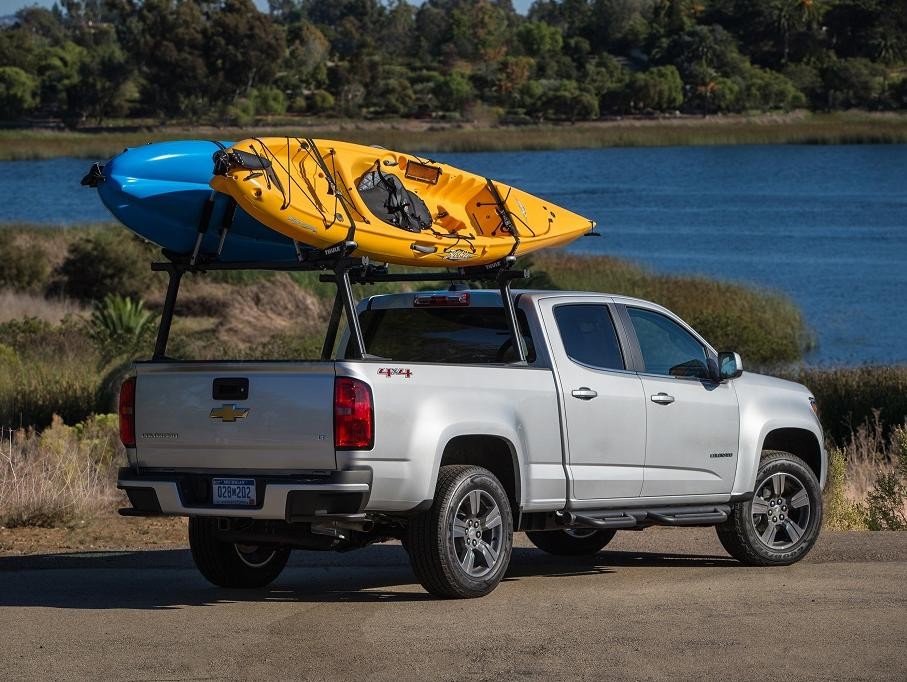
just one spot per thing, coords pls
(571, 541)
(461, 546)
(228, 564)
(782, 521)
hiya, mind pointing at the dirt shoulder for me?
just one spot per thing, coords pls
(109, 531)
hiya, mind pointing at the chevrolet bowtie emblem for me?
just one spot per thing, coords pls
(229, 413)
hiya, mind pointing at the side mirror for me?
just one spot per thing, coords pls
(730, 366)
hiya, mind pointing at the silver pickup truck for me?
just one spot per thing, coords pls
(620, 416)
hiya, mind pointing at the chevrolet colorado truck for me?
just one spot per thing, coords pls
(614, 415)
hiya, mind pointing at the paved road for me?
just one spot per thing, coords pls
(664, 604)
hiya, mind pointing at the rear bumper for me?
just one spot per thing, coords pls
(287, 498)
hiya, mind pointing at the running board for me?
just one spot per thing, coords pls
(635, 518)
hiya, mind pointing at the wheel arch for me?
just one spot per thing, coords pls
(800, 442)
(495, 453)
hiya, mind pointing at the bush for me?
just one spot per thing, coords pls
(241, 112)
(841, 513)
(849, 397)
(21, 268)
(322, 101)
(886, 504)
(269, 101)
(106, 263)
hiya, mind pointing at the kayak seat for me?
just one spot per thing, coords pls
(386, 197)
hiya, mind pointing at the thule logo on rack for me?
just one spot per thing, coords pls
(717, 455)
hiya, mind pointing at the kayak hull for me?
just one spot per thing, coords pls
(159, 191)
(313, 191)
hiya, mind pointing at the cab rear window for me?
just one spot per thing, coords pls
(442, 335)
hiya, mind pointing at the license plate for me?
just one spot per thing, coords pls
(233, 491)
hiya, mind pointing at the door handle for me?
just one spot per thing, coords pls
(662, 399)
(584, 393)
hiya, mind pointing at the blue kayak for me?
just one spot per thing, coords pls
(160, 191)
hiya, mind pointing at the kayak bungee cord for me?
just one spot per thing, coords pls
(291, 180)
(351, 232)
(506, 218)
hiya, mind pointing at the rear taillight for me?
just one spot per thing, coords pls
(127, 412)
(354, 418)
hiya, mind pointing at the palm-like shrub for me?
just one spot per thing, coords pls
(120, 325)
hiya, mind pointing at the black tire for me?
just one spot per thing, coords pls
(440, 557)
(740, 534)
(229, 565)
(566, 543)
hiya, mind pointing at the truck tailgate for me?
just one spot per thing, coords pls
(262, 416)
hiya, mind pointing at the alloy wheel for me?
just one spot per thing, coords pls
(477, 533)
(781, 511)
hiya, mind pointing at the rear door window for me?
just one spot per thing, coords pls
(442, 335)
(589, 336)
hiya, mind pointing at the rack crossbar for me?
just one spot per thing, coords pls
(343, 272)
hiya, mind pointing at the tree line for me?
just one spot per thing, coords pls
(226, 61)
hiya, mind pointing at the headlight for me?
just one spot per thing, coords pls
(813, 404)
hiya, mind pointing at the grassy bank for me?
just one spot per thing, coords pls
(426, 136)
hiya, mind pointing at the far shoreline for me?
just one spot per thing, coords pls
(431, 135)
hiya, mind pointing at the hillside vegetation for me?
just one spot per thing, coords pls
(225, 61)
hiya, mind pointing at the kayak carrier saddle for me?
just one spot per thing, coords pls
(337, 265)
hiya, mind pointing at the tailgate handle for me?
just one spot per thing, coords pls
(230, 389)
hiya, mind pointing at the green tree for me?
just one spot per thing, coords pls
(856, 82)
(658, 89)
(243, 49)
(168, 42)
(18, 92)
(765, 89)
(269, 100)
(104, 78)
(453, 91)
(569, 102)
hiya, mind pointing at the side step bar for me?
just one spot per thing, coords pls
(619, 520)
(635, 518)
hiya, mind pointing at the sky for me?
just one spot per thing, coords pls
(12, 6)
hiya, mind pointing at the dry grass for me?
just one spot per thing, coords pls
(63, 473)
(869, 456)
(15, 305)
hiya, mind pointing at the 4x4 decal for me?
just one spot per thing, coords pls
(395, 371)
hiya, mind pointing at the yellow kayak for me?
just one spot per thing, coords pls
(397, 207)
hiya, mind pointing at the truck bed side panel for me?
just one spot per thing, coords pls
(421, 408)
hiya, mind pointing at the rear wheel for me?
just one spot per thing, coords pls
(571, 541)
(782, 521)
(461, 546)
(228, 564)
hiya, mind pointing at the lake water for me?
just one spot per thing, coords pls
(827, 225)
